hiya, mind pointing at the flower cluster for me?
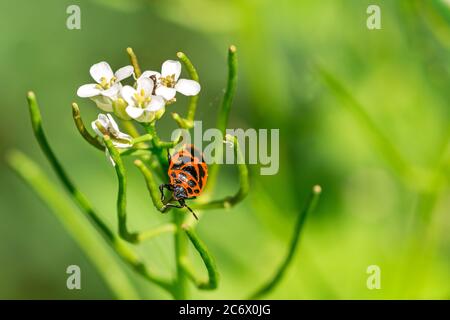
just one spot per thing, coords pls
(144, 102)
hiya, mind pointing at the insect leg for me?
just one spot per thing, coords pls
(171, 206)
(161, 189)
(169, 157)
(183, 204)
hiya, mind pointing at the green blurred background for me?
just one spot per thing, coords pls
(364, 113)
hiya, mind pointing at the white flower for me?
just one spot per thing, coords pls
(105, 125)
(108, 86)
(167, 82)
(142, 104)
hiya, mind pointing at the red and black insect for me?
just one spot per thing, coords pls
(188, 173)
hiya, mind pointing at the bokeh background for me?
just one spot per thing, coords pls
(364, 113)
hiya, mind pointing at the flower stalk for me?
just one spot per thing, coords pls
(123, 251)
(82, 129)
(188, 123)
(279, 273)
(145, 103)
(208, 260)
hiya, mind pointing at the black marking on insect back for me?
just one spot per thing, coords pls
(173, 174)
(196, 191)
(191, 183)
(201, 171)
(180, 161)
(189, 190)
(191, 170)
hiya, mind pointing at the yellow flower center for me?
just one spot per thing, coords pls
(105, 84)
(168, 81)
(141, 99)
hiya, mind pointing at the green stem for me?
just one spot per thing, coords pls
(121, 193)
(133, 237)
(153, 233)
(82, 129)
(151, 185)
(208, 260)
(159, 146)
(136, 152)
(36, 122)
(230, 91)
(181, 255)
(77, 225)
(244, 184)
(224, 111)
(119, 246)
(134, 62)
(143, 138)
(130, 128)
(310, 205)
(192, 107)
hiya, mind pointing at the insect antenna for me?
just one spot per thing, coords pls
(195, 216)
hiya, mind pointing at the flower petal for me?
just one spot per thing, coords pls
(146, 84)
(170, 67)
(156, 104)
(104, 121)
(188, 87)
(101, 69)
(111, 92)
(126, 137)
(96, 129)
(165, 92)
(124, 72)
(112, 125)
(104, 103)
(134, 112)
(122, 141)
(88, 90)
(128, 93)
(148, 74)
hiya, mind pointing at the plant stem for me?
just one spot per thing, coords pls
(82, 129)
(230, 91)
(143, 138)
(134, 62)
(224, 111)
(121, 193)
(244, 184)
(77, 225)
(181, 255)
(310, 205)
(192, 107)
(130, 128)
(153, 233)
(151, 185)
(119, 246)
(133, 237)
(208, 260)
(157, 145)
